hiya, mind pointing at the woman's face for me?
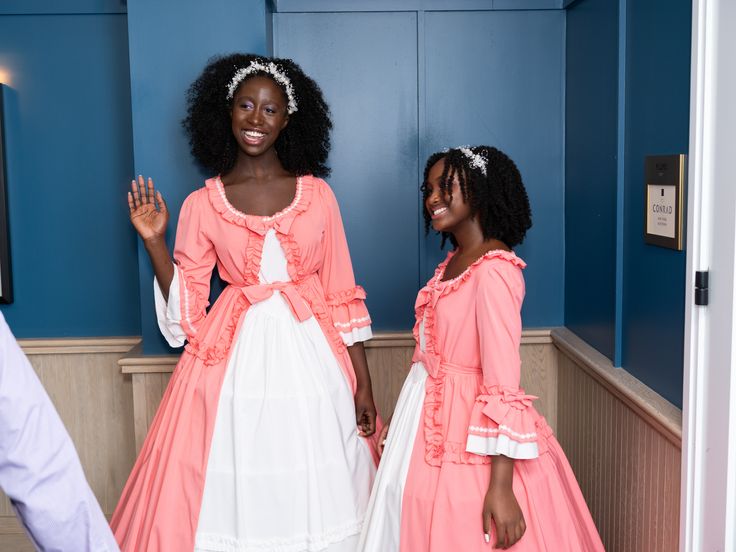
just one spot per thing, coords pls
(258, 114)
(446, 213)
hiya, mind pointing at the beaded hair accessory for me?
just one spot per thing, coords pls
(476, 160)
(278, 74)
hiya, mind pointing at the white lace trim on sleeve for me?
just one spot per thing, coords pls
(168, 313)
(356, 335)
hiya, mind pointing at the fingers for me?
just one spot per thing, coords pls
(135, 194)
(508, 535)
(143, 193)
(382, 440)
(161, 203)
(487, 527)
(367, 423)
(151, 191)
(142, 188)
(501, 537)
(369, 427)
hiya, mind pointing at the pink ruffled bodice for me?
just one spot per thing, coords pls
(474, 406)
(311, 234)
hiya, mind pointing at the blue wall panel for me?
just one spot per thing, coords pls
(591, 172)
(366, 65)
(170, 43)
(498, 78)
(657, 122)
(68, 137)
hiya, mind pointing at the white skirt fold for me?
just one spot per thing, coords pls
(383, 518)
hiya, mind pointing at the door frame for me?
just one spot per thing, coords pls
(708, 506)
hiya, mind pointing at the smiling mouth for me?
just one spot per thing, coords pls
(438, 212)
(252, 136)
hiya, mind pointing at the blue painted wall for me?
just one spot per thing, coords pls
(68, 138)
(591, 133)
(371, 88)
(497, 77)
(499, 80)
(170, 43)
(73, 144)
(657, 122)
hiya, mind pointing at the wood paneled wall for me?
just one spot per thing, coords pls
(624, 443)
(622, 439)
(389, 358)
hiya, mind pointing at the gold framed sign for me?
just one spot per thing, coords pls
(664, 186)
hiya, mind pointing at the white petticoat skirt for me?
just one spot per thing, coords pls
(287, 470)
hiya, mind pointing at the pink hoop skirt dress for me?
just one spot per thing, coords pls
(254, 446)
(461, 404)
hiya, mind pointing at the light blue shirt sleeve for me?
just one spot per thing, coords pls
(39, 467)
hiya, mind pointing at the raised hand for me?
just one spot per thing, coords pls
(148, 211)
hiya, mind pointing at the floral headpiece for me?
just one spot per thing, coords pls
(476, 160)
(276, 71)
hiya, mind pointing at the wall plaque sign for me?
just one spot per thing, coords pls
(664, 185)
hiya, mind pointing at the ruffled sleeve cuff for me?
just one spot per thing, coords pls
(350, 315)
(504, 422)
(168, 314)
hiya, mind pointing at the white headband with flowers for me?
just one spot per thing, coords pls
(476, 160)
(272, 69)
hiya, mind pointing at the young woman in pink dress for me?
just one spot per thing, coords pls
(254, 446)
(468, 463)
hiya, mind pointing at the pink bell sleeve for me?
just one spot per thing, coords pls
(345, 299)
(194, 259)
(503, 420)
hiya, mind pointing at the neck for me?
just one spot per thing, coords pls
(470, 240)
(262, 167)
(468, 236)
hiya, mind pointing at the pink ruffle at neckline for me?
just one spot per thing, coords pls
(280, 221)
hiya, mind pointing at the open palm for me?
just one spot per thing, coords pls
(148, 211)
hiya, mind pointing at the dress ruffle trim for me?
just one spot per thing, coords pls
(280, 221)
(214, 354)
(193, 305)
(324, 318)
(506, 421)
(345, 296)
(437, 449)
(452, 285)
(348, 309)
(301, 543)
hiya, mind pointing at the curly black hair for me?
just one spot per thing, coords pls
(498, 197)
(302, 147)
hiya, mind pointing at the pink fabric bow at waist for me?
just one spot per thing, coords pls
(435, 365)
(260, 292)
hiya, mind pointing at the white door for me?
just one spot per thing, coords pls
(708, 512)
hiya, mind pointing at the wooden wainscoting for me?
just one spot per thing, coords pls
(95, 402)
(389, 358)
(623, 441)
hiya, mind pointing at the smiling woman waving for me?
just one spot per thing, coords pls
(254, 446)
